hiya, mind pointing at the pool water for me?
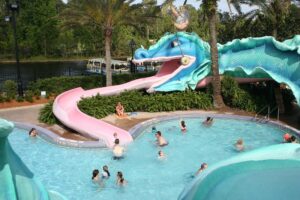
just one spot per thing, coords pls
(68, 170)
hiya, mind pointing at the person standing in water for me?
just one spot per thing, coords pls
(160, 139)
(183, 126)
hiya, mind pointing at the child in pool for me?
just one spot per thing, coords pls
(183, 126)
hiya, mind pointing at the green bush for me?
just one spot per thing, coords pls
(101, 106)
(57, 85)
(29, 96)
(46, 114)
(10, 89)
(2, 98)
(19, 99)
(236, 97)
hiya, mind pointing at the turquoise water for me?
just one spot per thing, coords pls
(68, 170)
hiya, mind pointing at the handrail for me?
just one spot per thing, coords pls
(272, 110)
(261, 110)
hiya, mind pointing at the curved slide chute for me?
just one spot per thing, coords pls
(66, 110)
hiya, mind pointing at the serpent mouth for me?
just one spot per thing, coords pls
(169, 68)
(169, 65)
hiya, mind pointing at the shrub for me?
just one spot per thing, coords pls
(10, 89)
(46, 114)
(57, 85)
(236, 97)
(101, 106)
(20, 99)
(29, 96)
(2, 98)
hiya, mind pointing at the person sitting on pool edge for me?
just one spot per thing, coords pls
(33, 132)
(120, 110)
(201, 169)
(118, 150)
(160, 139)
(183, 126)
(208, 121)
(120, 179)
(239, 145)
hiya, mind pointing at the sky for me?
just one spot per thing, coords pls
(222, 4)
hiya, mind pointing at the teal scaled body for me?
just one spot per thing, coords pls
(247, 58)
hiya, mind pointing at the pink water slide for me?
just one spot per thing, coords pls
(66, 110)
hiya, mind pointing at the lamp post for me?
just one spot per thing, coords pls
(132, 65)
(13, 8)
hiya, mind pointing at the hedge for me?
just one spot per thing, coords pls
(57, 85)
(101, 106)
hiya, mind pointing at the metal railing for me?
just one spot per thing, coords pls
(267, 116)
(272, 110)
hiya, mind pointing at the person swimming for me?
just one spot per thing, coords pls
(239, 145)
(95, 175)
(202, 168)
(160, 139)
(208, 121)
(183, 126)
(293, 139)
(154, 129)
(286, 137)
(118, 150)
(105, 173)
(32, 132)
(161, 155)
(120, 179)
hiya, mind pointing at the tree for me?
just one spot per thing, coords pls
(108, 15)
(210, 8)
(273, 12)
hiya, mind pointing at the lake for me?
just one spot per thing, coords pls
(38, 70)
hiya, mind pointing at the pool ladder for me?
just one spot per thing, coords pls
(266, 118)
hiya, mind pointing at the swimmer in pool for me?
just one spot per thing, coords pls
(183, 126)
(120, 179)
(160, 139)
(201, 169)
(161, 155)
(33, 132)
(118, 150)
(239, 145)
(154, 129)
(105, 173)
(293, 139)
(208, 121)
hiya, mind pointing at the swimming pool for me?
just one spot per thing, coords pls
(68, 170)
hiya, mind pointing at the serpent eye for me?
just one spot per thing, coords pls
(175, 43)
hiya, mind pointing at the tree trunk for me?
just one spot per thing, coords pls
(274, 33)
(216, 82)
(229, 6)
(108, 57)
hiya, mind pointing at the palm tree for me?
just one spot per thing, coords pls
(273, 12)
(210, 9)
(107, 15)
